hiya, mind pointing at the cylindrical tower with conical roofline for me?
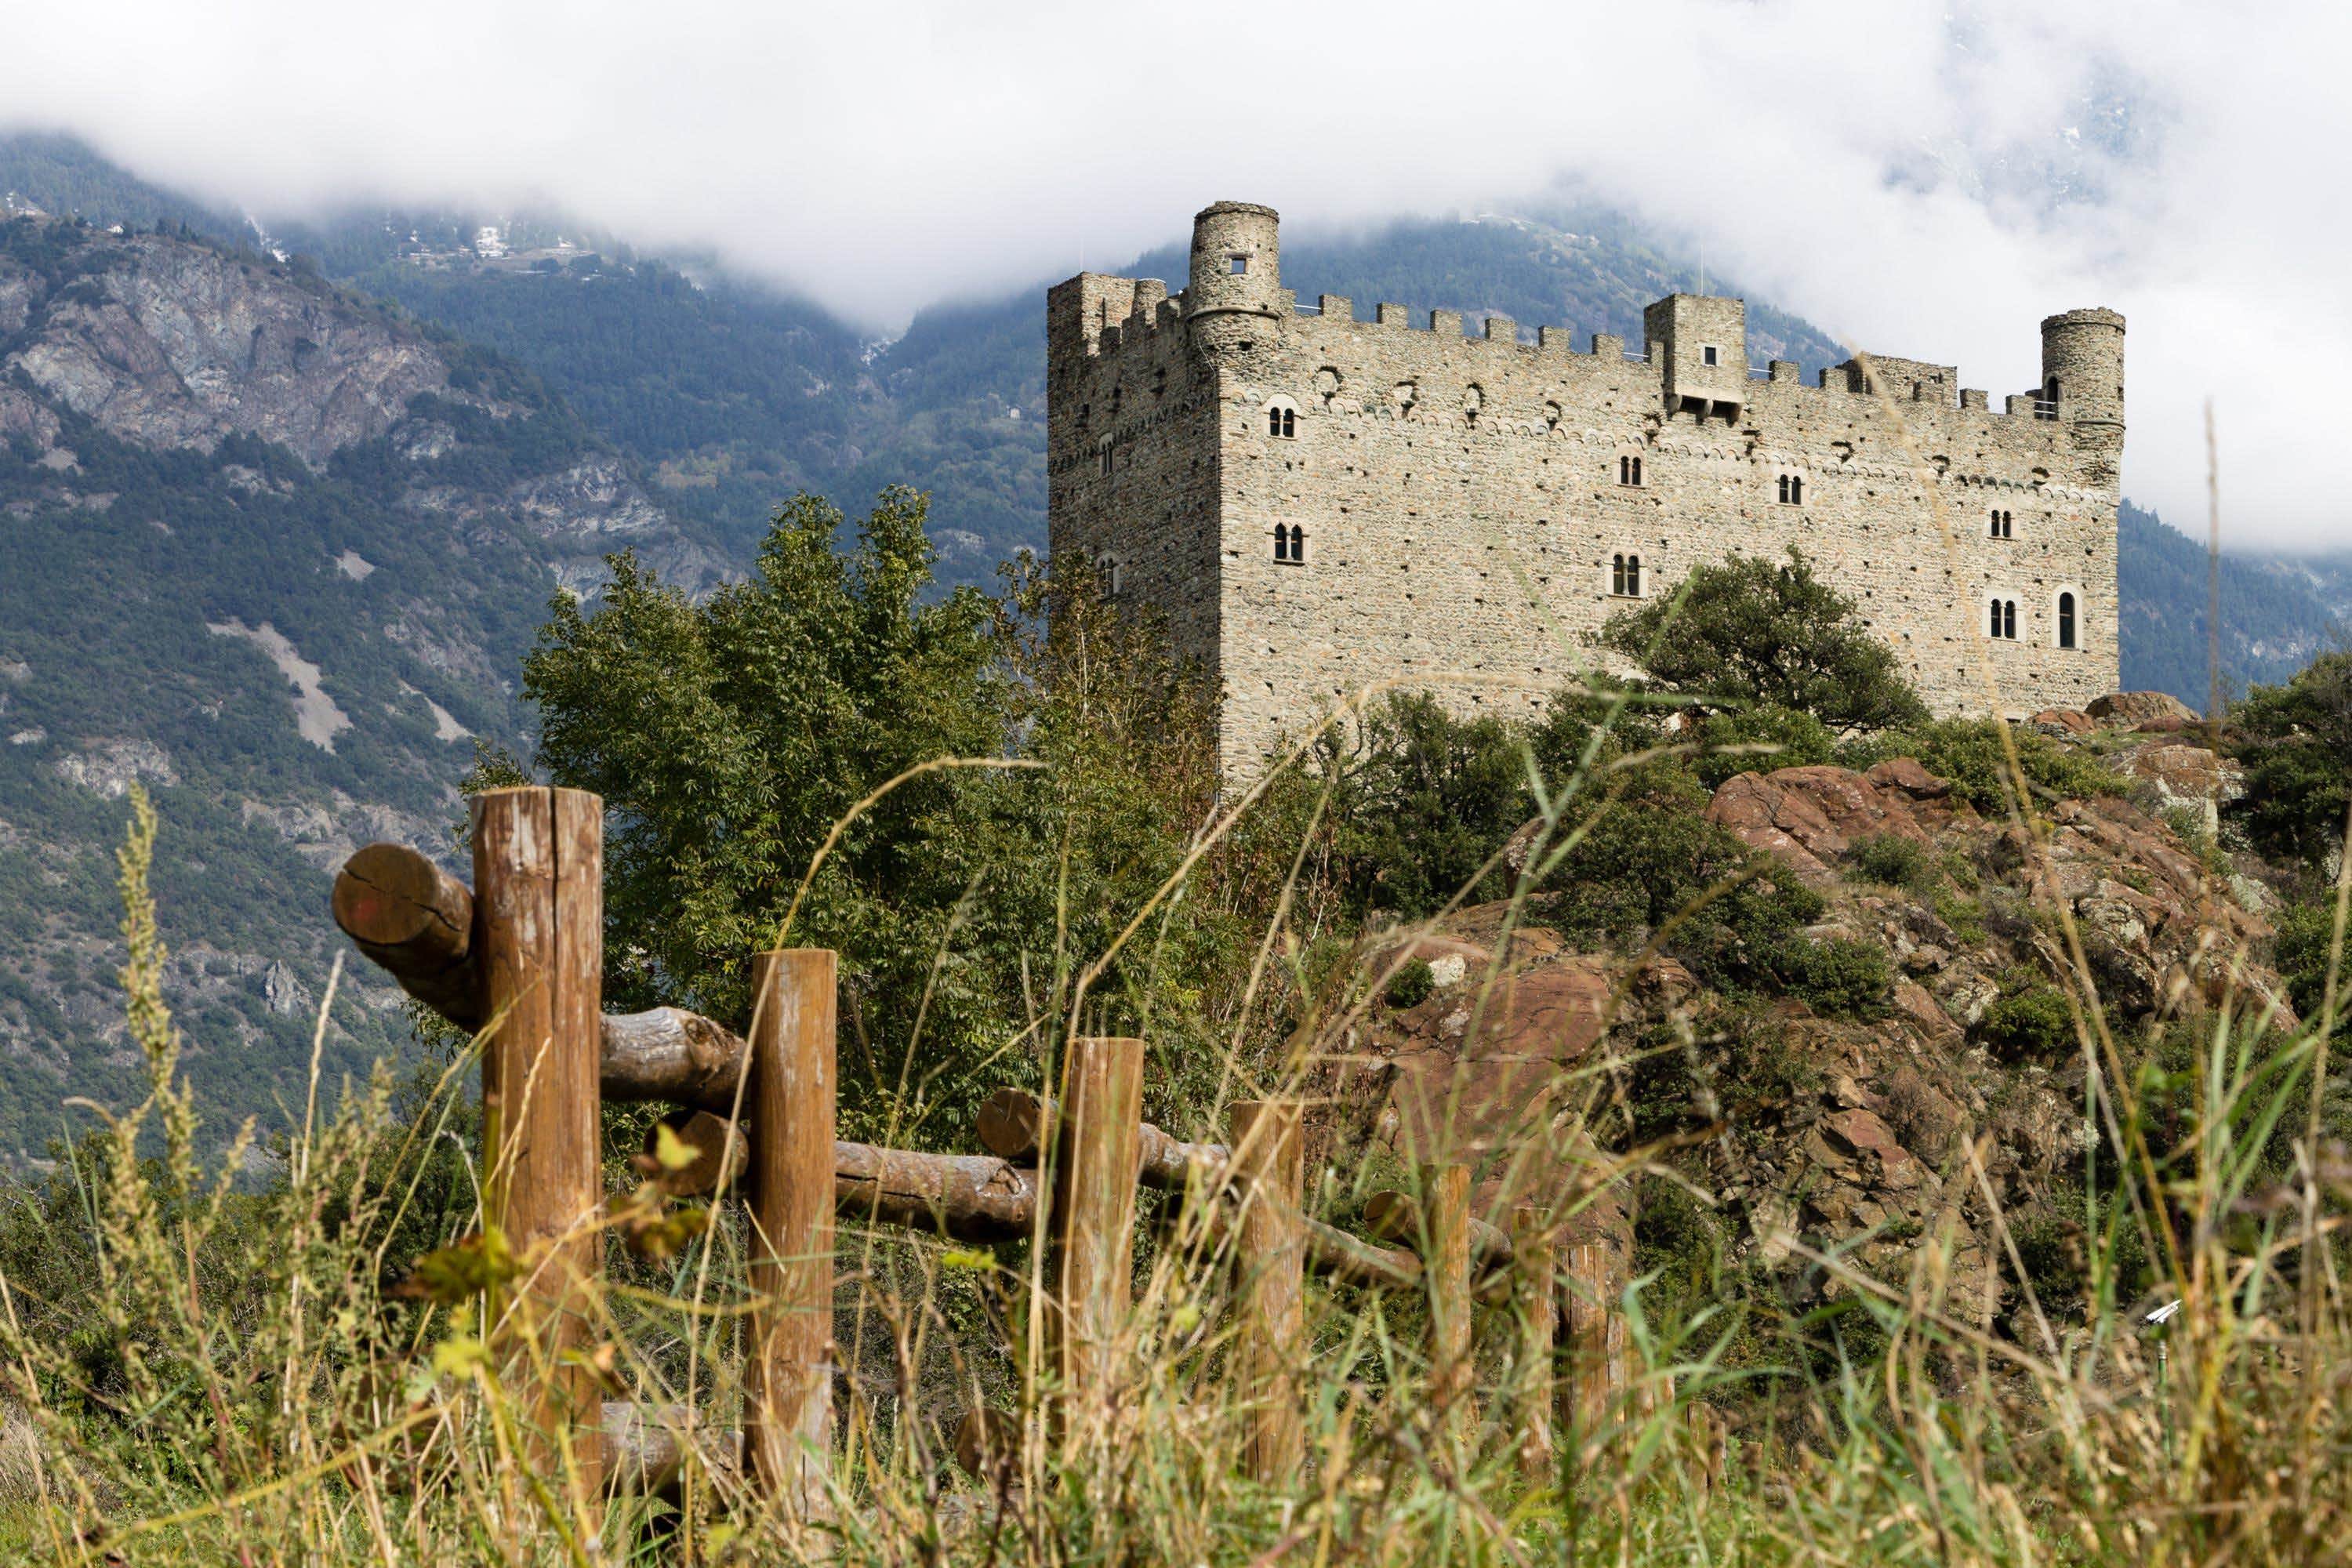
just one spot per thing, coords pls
(1236, 281)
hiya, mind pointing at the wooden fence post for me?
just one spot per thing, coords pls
(539, 950)
(1268, 1157)
(789, 1425)
(1091, 1257)
(1445, 1265)
(1588, 1311)
(1536, 1295)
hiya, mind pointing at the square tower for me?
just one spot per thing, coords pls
(1704, 339)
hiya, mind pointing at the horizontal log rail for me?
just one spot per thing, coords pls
(645, 1447)
(965, 1197)
(416, 921)
(1392, 1215)
(1014, 1124)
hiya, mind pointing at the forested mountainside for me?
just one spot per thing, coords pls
(2277, 612)
(275, 552)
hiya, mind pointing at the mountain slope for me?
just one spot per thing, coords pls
(2277, 612)
(276, 553)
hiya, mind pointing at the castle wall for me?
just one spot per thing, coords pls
(1462, 510)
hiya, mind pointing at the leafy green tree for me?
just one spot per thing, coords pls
(1752, 631)
(730, 737)
(1423, 799)
(2296, 741)
(1052, 768)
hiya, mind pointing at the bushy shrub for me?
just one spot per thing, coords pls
(2030, 1020)
(2306, 937)
(1969, 753)
(1843, 976)
(1411, 984)
(1894, 861)
(1757, 740)
(1753, 629)
(1420, 800)
(2293, 740)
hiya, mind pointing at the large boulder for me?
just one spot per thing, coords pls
(1479, 1068)
(2126, 710)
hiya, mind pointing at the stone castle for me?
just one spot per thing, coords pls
(1319, 503)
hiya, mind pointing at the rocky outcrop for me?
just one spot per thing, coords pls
(1808, 818)
(178, 345)
(108, 767)
(171, 343)
(1882, 1131)
(2129, 710)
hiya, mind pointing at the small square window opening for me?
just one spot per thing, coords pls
(1237, 265)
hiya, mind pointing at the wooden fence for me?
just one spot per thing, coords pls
(524, 947)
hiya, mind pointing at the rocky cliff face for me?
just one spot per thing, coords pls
(170, 343)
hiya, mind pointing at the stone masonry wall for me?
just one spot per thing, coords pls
(1463, 509)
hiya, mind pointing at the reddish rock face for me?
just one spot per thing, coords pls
(1481, 1065)
(2064, 721)
(1808, 818)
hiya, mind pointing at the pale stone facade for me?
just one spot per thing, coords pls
(1320, 504)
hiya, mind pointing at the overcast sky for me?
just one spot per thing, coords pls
(1927, 180)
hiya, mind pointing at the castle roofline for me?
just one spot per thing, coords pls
(2087, 316)
(1216, 208)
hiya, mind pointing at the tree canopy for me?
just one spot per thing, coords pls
(1752, 631)
(2295, 740)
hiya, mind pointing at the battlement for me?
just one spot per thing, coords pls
(1696, 343)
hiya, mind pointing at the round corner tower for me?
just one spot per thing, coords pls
(2083, 384)
(2083, 365)
(1235, 288)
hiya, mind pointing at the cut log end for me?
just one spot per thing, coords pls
(389, 895)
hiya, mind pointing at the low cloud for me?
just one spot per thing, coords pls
(1924, 179)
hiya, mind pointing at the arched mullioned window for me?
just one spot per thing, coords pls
(1625, 577)
(2066, 620)
(2003, 524)
(1792, 490)
(1629, 469)
(1282, 423)
(2000, 621)
(1289, 543)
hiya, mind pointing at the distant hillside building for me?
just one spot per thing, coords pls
(1319, 503)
